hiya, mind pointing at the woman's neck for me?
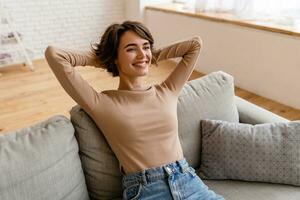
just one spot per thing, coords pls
(136, 84)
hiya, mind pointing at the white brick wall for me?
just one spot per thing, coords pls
(65, 23)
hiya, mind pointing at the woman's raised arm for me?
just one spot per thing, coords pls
(189, 51)
(62, 63)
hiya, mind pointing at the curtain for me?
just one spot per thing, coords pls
(253, 9)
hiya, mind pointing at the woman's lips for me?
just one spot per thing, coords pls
(141, 64)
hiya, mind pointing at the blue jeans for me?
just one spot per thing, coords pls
(173, 181)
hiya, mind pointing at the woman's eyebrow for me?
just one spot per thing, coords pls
(133, 44)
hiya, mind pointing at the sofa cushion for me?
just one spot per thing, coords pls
(264, 152)
(208, 97)
(242, 190)
(100, 165)
(41, 162)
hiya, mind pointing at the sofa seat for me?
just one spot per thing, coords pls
(237, 190)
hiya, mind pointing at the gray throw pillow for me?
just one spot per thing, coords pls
(209, 97)
(100, 165)
(41, 162)
(265, 152)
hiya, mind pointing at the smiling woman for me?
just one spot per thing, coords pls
(139, 121)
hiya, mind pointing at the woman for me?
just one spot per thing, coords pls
(138, 120)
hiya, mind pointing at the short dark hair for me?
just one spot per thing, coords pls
(107, 49)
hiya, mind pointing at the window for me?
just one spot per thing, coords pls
(283, 12)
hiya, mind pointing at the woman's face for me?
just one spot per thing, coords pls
(134, 55)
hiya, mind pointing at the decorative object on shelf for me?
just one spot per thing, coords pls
(9, 38)
(5, 58)
(12, 49)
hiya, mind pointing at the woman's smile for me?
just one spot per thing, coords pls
(142, 64)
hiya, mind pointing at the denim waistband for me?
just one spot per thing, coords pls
(154, 174)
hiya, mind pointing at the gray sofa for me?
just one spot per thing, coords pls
(42, 161)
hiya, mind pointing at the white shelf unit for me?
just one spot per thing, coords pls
(12, 49)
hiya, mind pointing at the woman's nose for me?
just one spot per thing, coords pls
(141, 53)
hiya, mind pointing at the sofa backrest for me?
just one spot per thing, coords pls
(208, 97)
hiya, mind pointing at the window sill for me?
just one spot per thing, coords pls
(227, 18)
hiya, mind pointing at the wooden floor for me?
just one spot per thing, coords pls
(27, 97)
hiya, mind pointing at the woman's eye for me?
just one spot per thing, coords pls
(146, 48)
(130, 49)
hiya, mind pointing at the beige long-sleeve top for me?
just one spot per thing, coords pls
(140, 126)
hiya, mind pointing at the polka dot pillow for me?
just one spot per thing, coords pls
(264, 152)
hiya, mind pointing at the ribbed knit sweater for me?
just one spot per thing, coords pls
(141, 127)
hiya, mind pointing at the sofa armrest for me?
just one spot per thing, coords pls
(252, 114)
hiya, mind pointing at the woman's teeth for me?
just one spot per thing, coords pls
(140, 64)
